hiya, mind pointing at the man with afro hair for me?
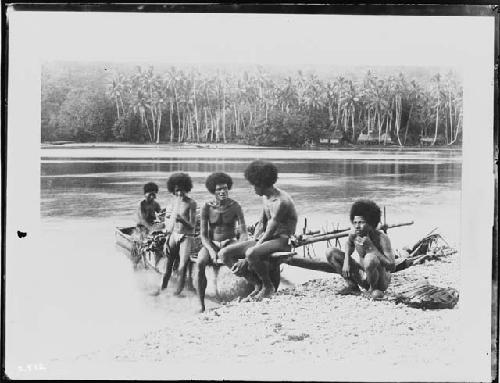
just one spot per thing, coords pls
(368, 260)
(180, 228)
(148, 208)
(221, 219)
(277, 223)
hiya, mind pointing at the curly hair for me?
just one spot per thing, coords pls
(261, 173)
(367, 209)
(181, 180)
(215, 179)
(150, 187)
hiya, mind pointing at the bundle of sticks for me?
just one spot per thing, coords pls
(431, 247)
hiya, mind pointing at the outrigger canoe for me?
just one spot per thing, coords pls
(222, 283)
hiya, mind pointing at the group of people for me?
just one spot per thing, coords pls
(367, 262)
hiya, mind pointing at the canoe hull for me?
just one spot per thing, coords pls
(222, 284)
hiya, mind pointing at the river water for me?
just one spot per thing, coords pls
(81, 294)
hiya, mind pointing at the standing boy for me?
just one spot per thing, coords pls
(180, 228)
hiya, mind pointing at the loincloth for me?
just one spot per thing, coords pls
(173, 243)
(222, 244)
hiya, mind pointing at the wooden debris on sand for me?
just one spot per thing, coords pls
(423, 295)
(431, 247)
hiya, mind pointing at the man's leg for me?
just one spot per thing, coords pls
(184, 259)
(203, 261)
(232, 253)
(258, 261)
(376, 275)
(170, 253)
(335, 258)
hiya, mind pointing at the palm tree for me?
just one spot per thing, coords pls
(413, 95)
(436, 93)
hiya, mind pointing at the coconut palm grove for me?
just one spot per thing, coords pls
(254, 105)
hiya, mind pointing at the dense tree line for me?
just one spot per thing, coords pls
(248, 106)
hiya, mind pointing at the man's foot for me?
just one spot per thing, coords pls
(364, 284)
(252, 295)
(202, 310)
(349, 290)
(179, 294)
(191, 288)
(265, 292)
(155, 293)
(377, 295)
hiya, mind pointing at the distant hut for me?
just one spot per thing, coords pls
(336, 138)
(427, 141)
(385, 138)
(368, 138)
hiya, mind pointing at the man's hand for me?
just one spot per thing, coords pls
(251, 248)
(345, 270)
(363, 245)
(243, 237)
(179, 218)
(213, 254)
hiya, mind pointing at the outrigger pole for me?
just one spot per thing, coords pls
(307, 240)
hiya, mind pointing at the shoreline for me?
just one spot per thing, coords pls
(388, 148)
(304, 326)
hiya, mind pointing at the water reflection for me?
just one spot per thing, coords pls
(98, 189)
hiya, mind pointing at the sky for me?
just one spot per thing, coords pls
(249, 38)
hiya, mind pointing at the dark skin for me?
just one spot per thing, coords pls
(278, 222)
(182, 221)
(219, 220)
(147, 210)
(375, 263)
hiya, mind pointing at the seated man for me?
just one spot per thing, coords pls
(180, 228)
(218, 226)
(372, 249)
(276, 225)
(148, 209)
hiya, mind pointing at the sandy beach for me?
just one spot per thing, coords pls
(303, 332)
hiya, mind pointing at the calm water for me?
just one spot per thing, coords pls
(82, 295)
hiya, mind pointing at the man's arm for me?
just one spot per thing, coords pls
(190, 222)
(272, 224)
(349, 249)
(242, 227)
(204, 234)
(140, 218)
(170, 219)
(157, 207)
(261, 224)
(387, 257)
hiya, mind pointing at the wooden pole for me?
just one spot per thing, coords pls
(385, 223)
(327, 237)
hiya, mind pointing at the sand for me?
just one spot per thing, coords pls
(304, 332)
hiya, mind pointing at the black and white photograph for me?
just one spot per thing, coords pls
(282, 195)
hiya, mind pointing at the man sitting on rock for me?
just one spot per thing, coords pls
(368, 260)
(276, 225)
(219, 220)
